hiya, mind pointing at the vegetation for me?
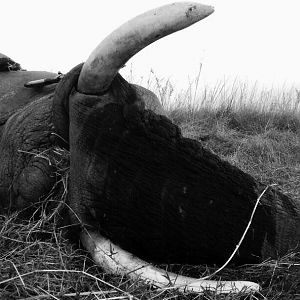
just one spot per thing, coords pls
(256, 130)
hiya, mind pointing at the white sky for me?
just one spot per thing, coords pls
(245, 39)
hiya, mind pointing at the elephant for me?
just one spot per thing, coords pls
(138, 189)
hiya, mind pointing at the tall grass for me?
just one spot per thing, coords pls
(226, 94)
(256, 129)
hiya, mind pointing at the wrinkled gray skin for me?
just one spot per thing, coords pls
(26, 130)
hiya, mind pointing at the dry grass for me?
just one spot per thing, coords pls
(37, 261)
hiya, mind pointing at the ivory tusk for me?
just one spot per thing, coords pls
(115, 260)
(118, 47)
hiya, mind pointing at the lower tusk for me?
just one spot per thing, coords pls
(115, 260)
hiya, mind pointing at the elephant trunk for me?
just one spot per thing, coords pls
(123, 43)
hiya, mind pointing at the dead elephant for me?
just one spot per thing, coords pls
(135, 182)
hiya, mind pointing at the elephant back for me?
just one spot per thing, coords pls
(13, 94)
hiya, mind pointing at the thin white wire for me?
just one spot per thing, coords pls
(242, 238)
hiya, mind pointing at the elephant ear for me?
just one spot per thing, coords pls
(61, 105)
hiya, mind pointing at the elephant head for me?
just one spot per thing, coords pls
(115, 132)
(93, 99)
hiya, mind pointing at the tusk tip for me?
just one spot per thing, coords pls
(200, 10)
(210, 9)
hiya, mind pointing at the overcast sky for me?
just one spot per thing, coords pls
(245, 39)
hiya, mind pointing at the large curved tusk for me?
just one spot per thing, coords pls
(131, 37)
(115, 260)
